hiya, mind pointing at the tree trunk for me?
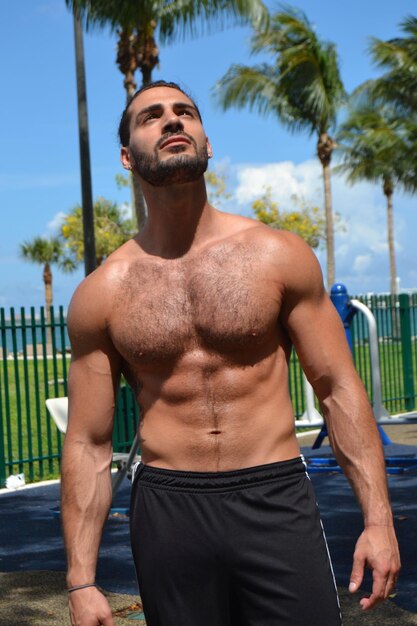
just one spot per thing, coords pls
(47, 281)
(148, 51)
(388, 191)
(141, 210)
(137, 50)
(128, 63)
(325, 146)
(147, 58)
(395, 320)
(146, 75)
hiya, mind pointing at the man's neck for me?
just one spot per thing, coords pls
(179, 219)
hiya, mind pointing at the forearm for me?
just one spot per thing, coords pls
(356, 442)
(85, 501)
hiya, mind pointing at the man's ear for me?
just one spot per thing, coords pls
(125, 158)
(209, 148)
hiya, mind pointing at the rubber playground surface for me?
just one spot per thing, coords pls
(32, 560)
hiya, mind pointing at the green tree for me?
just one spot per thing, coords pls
(377, 145)
(302, 87)
(217, 185)
(398, 57)
(307, 222)
(111, 229)
(138, 24)
(47, 252)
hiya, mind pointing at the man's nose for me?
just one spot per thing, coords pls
(173, 123)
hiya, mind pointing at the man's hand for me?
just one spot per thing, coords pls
(377, 549)
(88, 607)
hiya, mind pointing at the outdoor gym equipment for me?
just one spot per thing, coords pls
(347, 309)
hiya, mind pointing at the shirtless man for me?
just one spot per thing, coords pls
(199, 313)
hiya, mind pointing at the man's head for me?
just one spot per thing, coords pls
(162, 136)
(124, 126)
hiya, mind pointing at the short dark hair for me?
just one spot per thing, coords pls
(124, 126)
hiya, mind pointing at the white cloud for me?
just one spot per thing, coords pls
(126, 210)
(284, 180)
(55, 223)
(361, 244)
(362, 262)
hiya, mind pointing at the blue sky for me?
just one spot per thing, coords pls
(39, 155)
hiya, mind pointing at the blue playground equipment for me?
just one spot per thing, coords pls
(396, 464)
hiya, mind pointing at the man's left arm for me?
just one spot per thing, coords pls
(319, 338)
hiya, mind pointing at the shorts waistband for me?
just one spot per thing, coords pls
(217, 481)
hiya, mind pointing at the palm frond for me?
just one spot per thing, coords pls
(304, 85)
(377, 145)
(179, 18)
(243, 86)
(174, 18)
(409, 25)
(398, 57)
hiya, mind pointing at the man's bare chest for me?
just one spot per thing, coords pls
(220, 302)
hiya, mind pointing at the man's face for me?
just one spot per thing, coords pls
(167, 140)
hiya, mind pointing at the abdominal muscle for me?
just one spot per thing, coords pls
(218, 417)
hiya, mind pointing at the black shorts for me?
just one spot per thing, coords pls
(240, 548)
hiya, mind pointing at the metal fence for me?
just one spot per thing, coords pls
(396, 320)
(34, 362)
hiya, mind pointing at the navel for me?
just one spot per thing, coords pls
(215, 432)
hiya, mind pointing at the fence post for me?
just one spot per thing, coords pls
(3, 353)
(2, 450)
(408, 375)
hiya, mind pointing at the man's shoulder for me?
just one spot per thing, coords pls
(252, 230)
(285, 254)
(94, 297)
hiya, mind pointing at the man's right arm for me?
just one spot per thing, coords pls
(87, 452)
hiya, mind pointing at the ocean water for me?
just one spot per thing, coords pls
(13, 337)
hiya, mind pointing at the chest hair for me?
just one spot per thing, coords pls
(222, 300)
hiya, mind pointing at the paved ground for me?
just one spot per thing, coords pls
(32, 562)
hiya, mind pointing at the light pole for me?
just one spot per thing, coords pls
(86, 188)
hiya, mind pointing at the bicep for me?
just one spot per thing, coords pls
(93, 378)
(315, 329)
(92, 390)
(319, 339)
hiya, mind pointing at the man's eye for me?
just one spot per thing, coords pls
(150, 116)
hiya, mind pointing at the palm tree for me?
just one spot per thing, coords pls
(302, 87)
(137, 24)
(379, 146)
(398, 57)
(47, 252)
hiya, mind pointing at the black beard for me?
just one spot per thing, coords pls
(180, 168)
